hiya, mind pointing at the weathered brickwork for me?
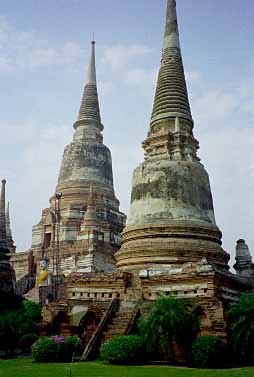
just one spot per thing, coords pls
(171, 218)
(171, 245)
(84, 246)
(7, 273)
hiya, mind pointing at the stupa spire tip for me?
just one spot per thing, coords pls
(89, 108)
(171, 38)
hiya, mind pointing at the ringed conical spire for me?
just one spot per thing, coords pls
(171, 98)
(87, 158)
(9, 237)
(171, 219)
(171, 37)
(90, 108)
(3, 238)
(7, 273)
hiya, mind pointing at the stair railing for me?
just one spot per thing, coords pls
(134, 317)
(92, 344)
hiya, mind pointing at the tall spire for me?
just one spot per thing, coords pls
(7, 273)
(9, 238)
(171, 97)
(3, 239)
(86, 158)
(171, 219)
(171, 37)
(89, 108)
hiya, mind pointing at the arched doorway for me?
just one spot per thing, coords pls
(87, 326)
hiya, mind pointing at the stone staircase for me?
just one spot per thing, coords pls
(120, 323)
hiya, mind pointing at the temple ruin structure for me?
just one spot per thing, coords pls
(83, 223)
(171, 244)
(7, 273)
(171, 220)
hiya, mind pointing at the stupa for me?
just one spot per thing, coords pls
(7, 273)
(86, 161)
(171, 220)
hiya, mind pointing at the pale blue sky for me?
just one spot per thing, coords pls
(44, 49)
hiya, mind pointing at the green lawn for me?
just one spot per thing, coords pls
(26, 368)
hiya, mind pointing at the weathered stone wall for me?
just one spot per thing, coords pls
(74, 256)
(86, 161)
(170, 190)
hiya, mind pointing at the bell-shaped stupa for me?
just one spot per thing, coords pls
(86, 163)
(171, 219)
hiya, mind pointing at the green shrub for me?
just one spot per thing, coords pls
(74, 345)
(122, 349)
(26, 341)
(16, 323)
(56, 349)
(207, 352)
(44, 350)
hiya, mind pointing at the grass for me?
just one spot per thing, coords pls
(27, 368)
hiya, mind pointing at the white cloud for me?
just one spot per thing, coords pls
(228, 155)
(119, 56)
(140, 76)
(31, 178)
(4, 64)
(216, 105)
(192, 76)
(106, 88)
(69, 53)
(125, 157)
(27, 50)
(226, 134)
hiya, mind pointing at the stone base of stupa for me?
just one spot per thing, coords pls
(170, 245)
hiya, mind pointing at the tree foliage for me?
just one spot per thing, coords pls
(167, 322)
(16, 323)
(241, 319)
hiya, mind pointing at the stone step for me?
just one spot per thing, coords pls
(110, 336)
(116, 331)
(120, 320)
(113, 327)
(117, 326)
(123, 316)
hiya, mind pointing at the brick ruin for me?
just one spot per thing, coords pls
(7, 273)
(171, 244)
(89, 231)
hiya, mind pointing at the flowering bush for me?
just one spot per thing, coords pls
(74, 345)
(58, 339)
(56, 349)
